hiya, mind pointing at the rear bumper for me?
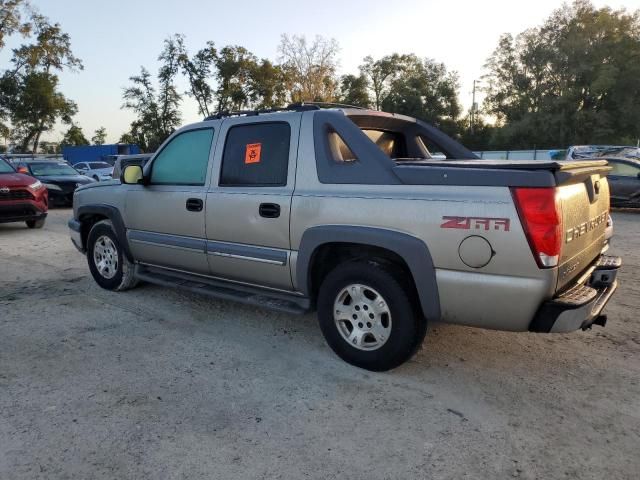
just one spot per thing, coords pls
(580, 306)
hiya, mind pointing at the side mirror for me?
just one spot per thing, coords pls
(132, 175)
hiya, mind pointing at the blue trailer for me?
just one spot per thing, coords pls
(92, 153)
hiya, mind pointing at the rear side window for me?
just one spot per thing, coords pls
(340, 151)
(256, 155)
(183, 161)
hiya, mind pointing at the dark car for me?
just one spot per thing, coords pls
(22, 198)
(624, 182)
(60, 179)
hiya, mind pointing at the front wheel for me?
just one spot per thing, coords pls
(108, 264)
(369, 316)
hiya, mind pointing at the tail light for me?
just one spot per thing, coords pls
(541, 217)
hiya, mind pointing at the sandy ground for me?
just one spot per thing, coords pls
(159, 384)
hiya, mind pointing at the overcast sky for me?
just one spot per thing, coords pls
(115, 37)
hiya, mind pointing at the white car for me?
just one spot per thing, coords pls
(99, 171)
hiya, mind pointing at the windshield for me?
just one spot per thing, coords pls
(50, 169)
(97, 165)
(5, 167)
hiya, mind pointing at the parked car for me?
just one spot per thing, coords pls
(99, 171)
(624, 178)
(624, 182)
(22, 198)
(60, 179)
(344, 211)
(581, 152)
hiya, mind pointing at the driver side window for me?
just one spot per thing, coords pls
(184, 160)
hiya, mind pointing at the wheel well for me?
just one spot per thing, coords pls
(88, 221)
(329, 255)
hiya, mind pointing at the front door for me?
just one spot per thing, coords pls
(624, 183)
(166, 219)
(248, 205)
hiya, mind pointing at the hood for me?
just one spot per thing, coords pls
(105, 183)
(66, 179)
(15, 180)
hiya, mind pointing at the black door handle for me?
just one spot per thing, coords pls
(269, 210)
(194, 204)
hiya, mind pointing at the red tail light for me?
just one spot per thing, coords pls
(541, 217)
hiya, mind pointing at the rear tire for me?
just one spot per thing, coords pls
(369, 316)
(108, 264)
(39, 223)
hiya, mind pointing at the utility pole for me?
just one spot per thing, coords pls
(474, 108)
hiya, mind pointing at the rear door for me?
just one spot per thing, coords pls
(165, 219)
(248, 206)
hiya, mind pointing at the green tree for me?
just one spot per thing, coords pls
(354, 90)
(234, 68)
(421, 88)
(34, 106)
(574, 79)
(100, 136)
(74, 136)
(29, 95)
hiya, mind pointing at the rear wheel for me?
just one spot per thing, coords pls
(368, 315)
(39, 223)
(108, 264)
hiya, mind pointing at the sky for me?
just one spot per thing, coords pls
(115, 37)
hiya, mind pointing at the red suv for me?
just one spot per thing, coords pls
(22, 198)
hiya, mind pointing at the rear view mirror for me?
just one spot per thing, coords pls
(131, 175)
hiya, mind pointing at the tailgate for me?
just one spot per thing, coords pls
(584, 202)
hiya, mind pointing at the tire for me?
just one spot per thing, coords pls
(393, 326)
(116, 272)
(39, 223)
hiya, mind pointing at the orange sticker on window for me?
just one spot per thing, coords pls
(252, 153)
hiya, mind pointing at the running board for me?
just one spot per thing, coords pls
(249, 295)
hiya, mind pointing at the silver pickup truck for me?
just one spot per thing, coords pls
(344, 211)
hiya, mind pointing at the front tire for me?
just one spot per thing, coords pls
(369, 316)
(108, 264)
(39, 223)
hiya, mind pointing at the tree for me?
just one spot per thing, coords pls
(309, 68)
(74, 136)
(234, 68)
(574, 79)
(29, 95)
(13, 15)
(354, 90)
(198, 70)
(34, 106)
(100, 137)
(412, 86)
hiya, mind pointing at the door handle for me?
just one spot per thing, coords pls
(194, 204)
(269, 210)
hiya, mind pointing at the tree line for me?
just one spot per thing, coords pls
(574, 79)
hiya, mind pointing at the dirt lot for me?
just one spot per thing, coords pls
(157, 384)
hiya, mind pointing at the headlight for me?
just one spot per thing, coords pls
(36, 186)
(51, 186)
